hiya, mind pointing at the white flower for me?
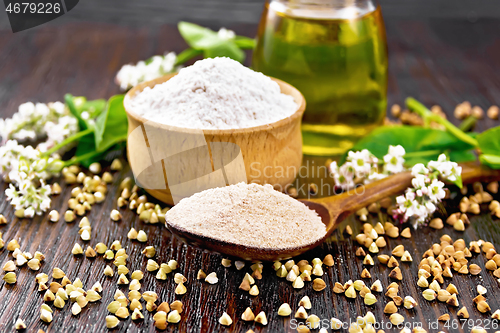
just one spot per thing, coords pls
(430, 207)
(333, 168)
(29, 122)
(344, 178)
(58, 107)
(361, 162)
(419, 169)
(419, 202)
(26, 170)
(419, 181)
(23, 166)
(24, 134)
(42, 110)
(11, 155)
(447, 169)
(226, 34)
(436, 191)
(12, 194)
(26, 109)
(416, 211)
(410, 209)
(127, 77)
(414, 207)
(85, 115)
(397, 151)
(374, 176)
(394, 161)
(168, 63)
(429, 190)
(362, 167)
(57, 132)
(29, 198)
(29, 212)
(131, 75)
(406, 201)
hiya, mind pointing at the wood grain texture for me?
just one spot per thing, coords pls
(441, 61)
(214, 13)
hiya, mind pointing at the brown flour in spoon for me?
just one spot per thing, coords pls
(250, 215)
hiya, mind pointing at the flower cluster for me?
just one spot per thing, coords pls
(34, 121)
(27, 170)
(363, 167)
(28, 122)
(394, 160)
(59, 131)
(419, 202)
(131, 75)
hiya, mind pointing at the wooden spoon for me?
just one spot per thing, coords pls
(332, 211)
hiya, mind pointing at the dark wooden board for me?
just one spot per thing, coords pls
(214, 13)
(441, 61)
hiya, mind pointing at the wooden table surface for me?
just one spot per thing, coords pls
(439, 61)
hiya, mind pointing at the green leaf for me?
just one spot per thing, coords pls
(421, 144)
(489, 144)
(208, 41)
(226, 49)
(493, 161)
(70, 102)
(93, 107)
(198, 37)
(111, 125)
(86, 146)
(110, 128)
(79, 104)
(461, 156)
(458, 182)
(489, 141)
(245, 42)
(186, 55)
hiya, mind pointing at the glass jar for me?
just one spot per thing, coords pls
(335, 53)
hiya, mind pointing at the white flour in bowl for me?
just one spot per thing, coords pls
(250, 215)
(215, 93)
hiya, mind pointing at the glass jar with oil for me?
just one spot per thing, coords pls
(335, 53)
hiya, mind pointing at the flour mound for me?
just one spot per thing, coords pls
(215, 93)
(250, 215)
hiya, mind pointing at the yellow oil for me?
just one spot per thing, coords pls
(339, 64)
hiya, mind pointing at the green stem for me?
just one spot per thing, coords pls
(381, 217)
(67, 141)
(78, 159)
(427, 122)
(468, 123)
(186, 55)
(425, 113)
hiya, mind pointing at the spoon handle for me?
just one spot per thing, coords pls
(363, 196)
(474, 171)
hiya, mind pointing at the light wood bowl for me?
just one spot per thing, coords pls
(272, 153)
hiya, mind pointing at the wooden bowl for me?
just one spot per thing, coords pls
(270, 153)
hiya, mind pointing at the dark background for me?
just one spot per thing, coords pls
(441, 52)
(216, 12)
